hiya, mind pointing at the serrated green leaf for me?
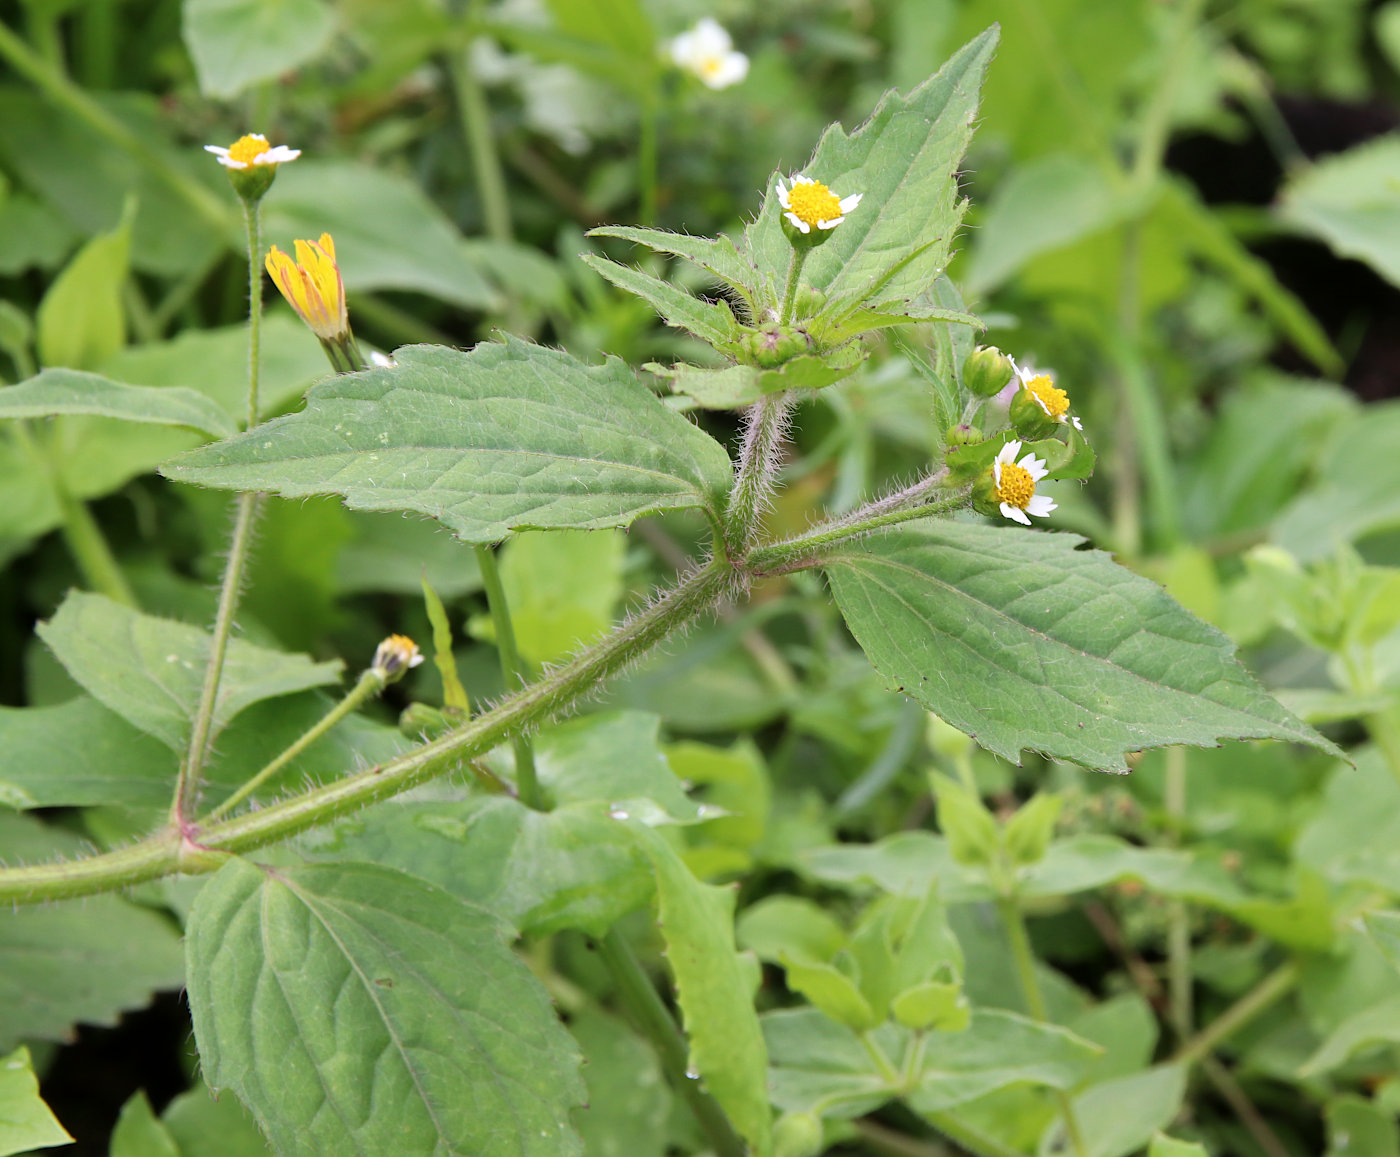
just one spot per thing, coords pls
(509, 436)
(709, 320)
(716, 255)
(61, 391)
(904, 162)
(86, 960)
(735, 386)
(1348, 199)
(25, 1121)
(150, 670)
(140, 1133)
(572, 867)
(357, 1009)
(76, 754)
(1022, 641)
(238, 43)
(713, 990)
(822, 1066)
(80, 321)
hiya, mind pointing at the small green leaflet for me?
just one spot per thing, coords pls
(506, 437)
(25, 1121)
(1023, 641)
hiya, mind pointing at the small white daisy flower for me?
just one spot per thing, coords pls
(252, 150)
(708, 52)
(1015, 485)
(1040, 385)
(809, 203)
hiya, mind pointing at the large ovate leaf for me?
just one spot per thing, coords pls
(77, 753)
(150, 670)
(822, 1066)
(714, 990)
(541, 872)
(356, 1009)
(388, 232)
(904, 162)
(1023, 641)
(61, 391)
(1120, 1116)
(508, 436)
(1348, 199)
(237, 43)
(82, 960)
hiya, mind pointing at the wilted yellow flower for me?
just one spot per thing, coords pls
(312, 286)
(395, 656)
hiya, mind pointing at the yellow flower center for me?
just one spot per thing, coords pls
(1053, 401)
(247, 148)
(814, 203)
(1016, 487)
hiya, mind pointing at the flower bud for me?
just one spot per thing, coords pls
(809, 302)
(986, 371)
(394, 657)
(775, 344)
(419, 721)
(985, 499)
(797, 1135)
(962, 435)
(1029, 417)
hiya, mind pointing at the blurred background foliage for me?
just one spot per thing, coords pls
(1190, 210)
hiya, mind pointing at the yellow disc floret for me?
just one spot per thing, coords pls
(248, 148)
(1053, 400)
(813, 202)
(1015, 486)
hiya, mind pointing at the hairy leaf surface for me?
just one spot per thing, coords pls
(506, 437)
(357, 1010)
(150, 670)
(1023, 641)
(60, 391)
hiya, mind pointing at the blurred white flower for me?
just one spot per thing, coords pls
(708, 52)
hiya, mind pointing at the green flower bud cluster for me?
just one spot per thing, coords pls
(775, 344)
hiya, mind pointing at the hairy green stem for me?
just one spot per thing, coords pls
(1178, 916)
(370, 684)
(758, 463)
(807, 549)
(527, 783)
(794, 275)
(1272, 988)
(68, 95)
(1015, 926)
(642, 1000)
(187, 782)
(550, 696)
